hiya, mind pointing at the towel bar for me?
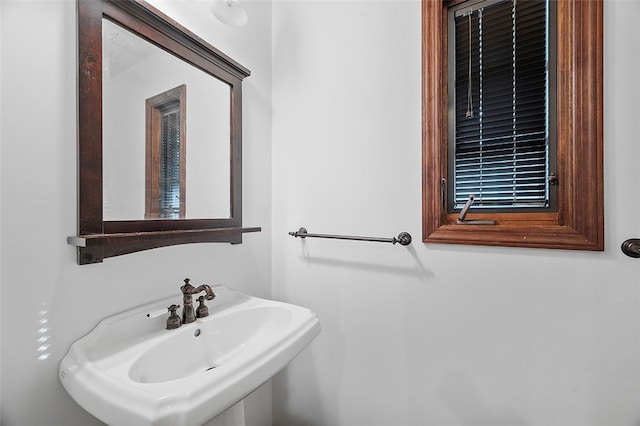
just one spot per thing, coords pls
(404, 238)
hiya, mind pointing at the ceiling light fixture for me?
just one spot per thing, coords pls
(229, 12)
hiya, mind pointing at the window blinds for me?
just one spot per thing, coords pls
(170, 165)
(501, 105)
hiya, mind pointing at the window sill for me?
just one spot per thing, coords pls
(513, 235)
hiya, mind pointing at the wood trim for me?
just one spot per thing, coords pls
(89, 147)
(171, 35)
(94, 248)
(434, 90)
(579, 222)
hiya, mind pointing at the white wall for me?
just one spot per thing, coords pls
(45, 293)
(435, 334)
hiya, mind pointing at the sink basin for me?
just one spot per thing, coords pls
(131, 371)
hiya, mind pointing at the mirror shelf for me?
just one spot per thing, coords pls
(101, 246)
(98, 238)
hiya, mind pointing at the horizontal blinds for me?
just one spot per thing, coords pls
(501, 135)
(170, 164)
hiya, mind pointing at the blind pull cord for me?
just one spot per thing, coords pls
(469, 113)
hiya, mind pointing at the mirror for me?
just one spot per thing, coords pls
(159, 134)
(139, 179)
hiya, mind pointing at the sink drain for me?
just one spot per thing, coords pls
(210, 368)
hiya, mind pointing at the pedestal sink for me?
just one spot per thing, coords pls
(131, 371)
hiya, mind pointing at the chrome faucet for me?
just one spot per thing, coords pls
(188, 313)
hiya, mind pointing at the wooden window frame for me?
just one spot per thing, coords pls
(578, 223)
(153, 155)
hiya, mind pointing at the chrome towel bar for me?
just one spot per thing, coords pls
(404, 238)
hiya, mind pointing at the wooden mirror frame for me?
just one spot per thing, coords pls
(98, 239)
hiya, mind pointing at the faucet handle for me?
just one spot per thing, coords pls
(186, 288)
(174, 320)
(201, 311)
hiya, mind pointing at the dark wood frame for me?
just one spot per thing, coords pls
(153, 137)
(579, 222)
(98, 239)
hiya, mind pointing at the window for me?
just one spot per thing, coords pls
(499, 131)
(165, 192)
(524, 138)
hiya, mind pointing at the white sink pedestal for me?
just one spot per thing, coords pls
(234, 416)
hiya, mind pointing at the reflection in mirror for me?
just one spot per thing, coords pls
(139, 82)
(165, 165)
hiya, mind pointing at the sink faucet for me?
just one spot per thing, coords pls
(188, 313)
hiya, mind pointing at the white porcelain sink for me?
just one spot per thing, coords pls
(131, 371)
